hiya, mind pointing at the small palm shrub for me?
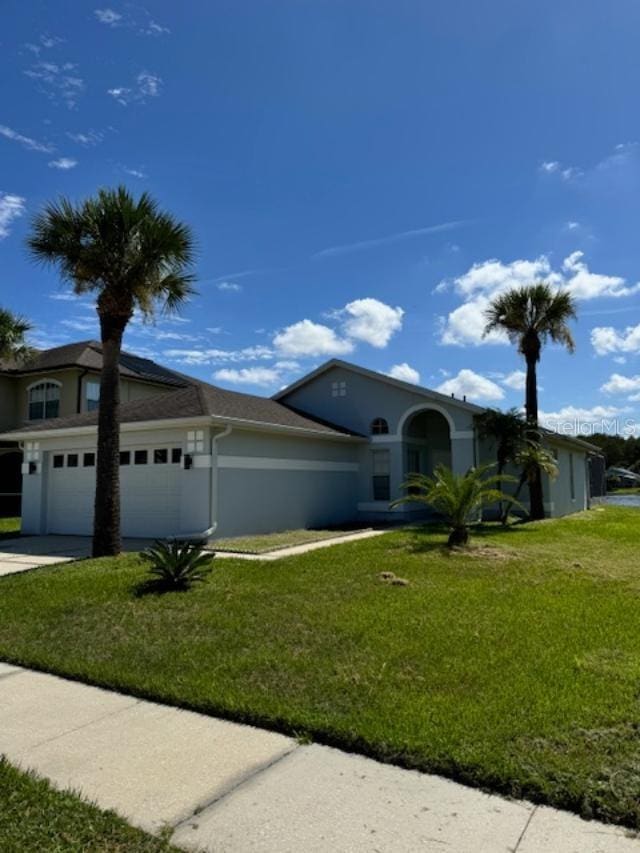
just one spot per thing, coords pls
(459, 498)
(176, 565)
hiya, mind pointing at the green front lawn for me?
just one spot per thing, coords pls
(9, 528)
(34, 817)
(515, 667)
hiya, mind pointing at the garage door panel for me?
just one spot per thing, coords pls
(149, 494)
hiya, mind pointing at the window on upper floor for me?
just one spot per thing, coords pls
(338, 389)
(44, 401)
(92, 395)
(379, 427)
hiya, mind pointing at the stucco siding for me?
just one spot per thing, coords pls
(366, 398)
(272, 483)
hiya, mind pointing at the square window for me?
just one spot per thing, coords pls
(125, 457)
(58, 460)
(72, 460)
(140, 457)
(160, 456)
(176, 455)
(89, 460)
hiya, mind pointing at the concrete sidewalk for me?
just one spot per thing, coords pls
(32, 552)
(231, 788)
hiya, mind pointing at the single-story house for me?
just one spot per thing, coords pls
(333, 447)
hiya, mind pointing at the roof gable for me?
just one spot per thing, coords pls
(434, 396)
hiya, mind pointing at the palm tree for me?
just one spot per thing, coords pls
(459, 498)
(13, 330)
(532, 458)
(531, 315)
(131, 256)
(508, 429)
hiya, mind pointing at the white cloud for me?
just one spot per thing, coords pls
(371, 321)
(515, 380)
(405, 373)
(309, 339)
(108, 17)
(218, 356)
(472, 385)
(571, 225)
(144, 25)
(81, 324)
(483, 281)
(583, 284)
(57, 82)
(287, 365)
(549, 166)
(618, 384)
(11, 207)
(64, 163)
(230, 286)
(25, 141)
(266, 376)
(90, 138)
(135, 173)
(146, 85)
(44, 41)
(606, 339)
(361, 245)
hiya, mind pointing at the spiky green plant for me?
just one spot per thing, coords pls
(176, 565)
(13, 331)
(459, 498)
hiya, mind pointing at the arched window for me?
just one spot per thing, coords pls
(379, 427)
(44, 401)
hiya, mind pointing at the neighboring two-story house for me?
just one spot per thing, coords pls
(60, 382)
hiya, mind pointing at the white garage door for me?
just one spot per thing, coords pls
(149, 488)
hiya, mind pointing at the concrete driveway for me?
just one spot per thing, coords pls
(32, 552)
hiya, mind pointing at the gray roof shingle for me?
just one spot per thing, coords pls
(88, 355)
(199, 400)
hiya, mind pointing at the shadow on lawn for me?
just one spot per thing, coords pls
(423, 539)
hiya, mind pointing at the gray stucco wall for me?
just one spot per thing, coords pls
(367, 398)
(268, 483)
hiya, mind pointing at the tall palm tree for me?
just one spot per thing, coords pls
(13, 331)
(532, 315)
(131, 256)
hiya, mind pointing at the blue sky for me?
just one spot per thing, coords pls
(361, 178)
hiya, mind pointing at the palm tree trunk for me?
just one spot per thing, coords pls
(106, 519)
(536, 499)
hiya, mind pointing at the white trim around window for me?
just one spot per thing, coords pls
(47, 398)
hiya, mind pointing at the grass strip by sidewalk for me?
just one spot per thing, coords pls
(35, 817)
(276, 541)
(9, 528)
(514, 667)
